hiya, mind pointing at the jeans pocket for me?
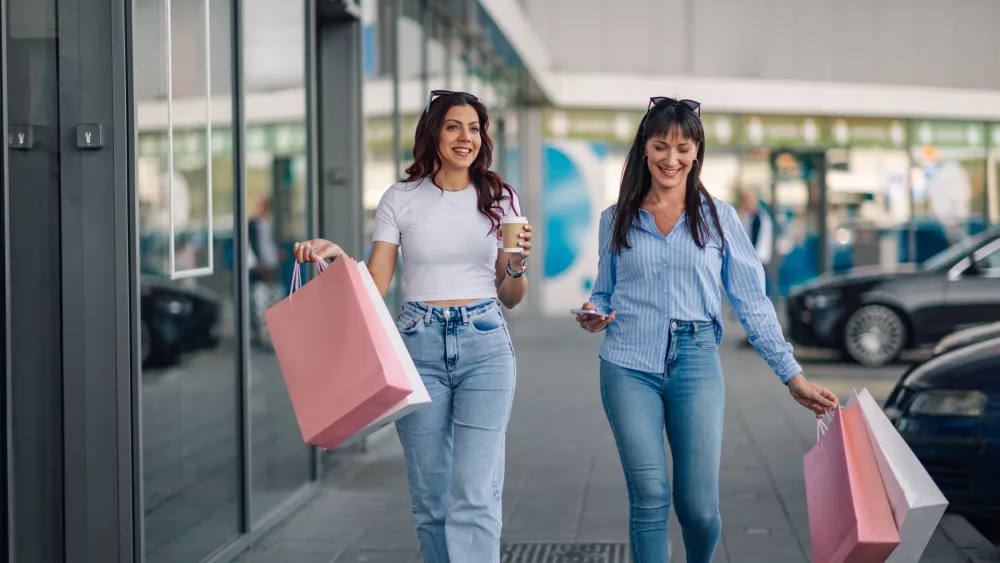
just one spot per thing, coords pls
(407, 324)
(488, 322)
(706, 338)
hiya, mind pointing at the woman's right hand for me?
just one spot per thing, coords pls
(308, 251)
(593, 323)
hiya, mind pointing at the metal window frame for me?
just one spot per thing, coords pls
(210, 269)
(241, 237)
(98, 282)
(7, 536)
(312, 162)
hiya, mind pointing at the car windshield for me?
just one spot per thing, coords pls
(953, 253)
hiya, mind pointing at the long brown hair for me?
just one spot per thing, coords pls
(636, 179)
(490, 187)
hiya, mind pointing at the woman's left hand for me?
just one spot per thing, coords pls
(811, 396)
(517, 260)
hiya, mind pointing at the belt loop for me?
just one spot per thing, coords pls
(428, 314)
(695, 326)
(465, 315)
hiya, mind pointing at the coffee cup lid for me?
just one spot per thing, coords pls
(514, 219)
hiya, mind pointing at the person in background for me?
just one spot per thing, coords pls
(263, 261)
(758, 226)
(665, 249)
(445, 217)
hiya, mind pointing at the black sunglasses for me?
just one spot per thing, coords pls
(690, 105)
(438, 93)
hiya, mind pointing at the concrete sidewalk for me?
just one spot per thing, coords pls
(564, 483)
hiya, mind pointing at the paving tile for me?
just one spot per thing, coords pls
(599, 528)
(378, 556)
(377, 537)
(564, 481)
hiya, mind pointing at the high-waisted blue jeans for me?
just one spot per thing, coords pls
(688, 400)
(454, 447)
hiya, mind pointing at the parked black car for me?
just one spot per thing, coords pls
(873, 314)
(947, 408)
(176, 320)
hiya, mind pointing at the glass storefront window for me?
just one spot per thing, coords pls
(278, 211)
(948, 183)
(191, 435)
(868, 207)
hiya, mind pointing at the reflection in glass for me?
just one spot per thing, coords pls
(189, 354)
(278, 216)
(868, 207)
(789, 184)
(949, 185)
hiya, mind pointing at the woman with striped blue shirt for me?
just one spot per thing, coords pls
(664, 248)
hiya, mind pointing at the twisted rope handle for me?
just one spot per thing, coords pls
(297, 276)
(821, 427)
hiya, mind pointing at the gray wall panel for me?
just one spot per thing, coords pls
(32, 92)
(96, 330)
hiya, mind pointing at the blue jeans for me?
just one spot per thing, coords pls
(688, 399)
(454, 447)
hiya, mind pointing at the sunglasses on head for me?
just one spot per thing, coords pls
(439, 93)
(690, 105)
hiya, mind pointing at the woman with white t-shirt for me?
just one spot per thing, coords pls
(445, 217)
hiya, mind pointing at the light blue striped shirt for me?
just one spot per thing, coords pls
(661, 279)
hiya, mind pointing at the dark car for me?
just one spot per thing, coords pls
(967, 337)
(874, 314)
(948, 410)
(176, 320)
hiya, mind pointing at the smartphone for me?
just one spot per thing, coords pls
(587, 312)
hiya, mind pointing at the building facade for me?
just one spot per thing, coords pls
(162, 157)
(869, 130)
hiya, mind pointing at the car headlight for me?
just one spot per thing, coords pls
(949, 403)
(821, 299)
(174, 306)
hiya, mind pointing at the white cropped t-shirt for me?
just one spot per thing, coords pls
(449, 250)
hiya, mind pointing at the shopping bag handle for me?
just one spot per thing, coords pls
(297, 276)
(821, 427)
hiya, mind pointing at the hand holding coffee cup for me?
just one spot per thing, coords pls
(516, 233)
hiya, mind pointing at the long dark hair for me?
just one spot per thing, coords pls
(490, 187)
(637, 181)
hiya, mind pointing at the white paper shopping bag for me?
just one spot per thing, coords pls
(419, 396)
(917, 503)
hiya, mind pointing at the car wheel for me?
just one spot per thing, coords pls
(874, 335)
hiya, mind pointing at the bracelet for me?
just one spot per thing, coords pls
(512, 273)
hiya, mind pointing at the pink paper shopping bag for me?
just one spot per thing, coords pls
(849, 516)
(340, 367)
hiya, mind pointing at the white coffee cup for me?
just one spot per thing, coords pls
(510, 227)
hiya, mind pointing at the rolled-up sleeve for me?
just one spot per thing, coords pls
(604, 285)
(743, 280)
